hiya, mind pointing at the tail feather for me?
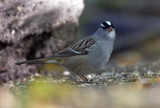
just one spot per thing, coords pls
(36, 61)
(53, 60)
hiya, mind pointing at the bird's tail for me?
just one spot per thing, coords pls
(36, 61)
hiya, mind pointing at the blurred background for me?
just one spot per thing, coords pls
(137, 25)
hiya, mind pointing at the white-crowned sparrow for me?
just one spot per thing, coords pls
(88, 55)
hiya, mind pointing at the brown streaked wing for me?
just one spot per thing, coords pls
(80, 48)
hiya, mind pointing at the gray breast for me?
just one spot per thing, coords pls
(101, 52)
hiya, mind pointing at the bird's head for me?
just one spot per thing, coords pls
(107, 28)
(107, 25)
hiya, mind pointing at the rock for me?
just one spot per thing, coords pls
(34, 29)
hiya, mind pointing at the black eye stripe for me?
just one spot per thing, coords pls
(106, 25)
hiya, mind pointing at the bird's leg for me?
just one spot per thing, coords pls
(83, 78)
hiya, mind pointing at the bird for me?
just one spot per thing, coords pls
(87, 56)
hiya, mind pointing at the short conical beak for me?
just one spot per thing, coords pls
(110, 29)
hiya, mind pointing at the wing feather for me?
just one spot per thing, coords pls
(80, 48)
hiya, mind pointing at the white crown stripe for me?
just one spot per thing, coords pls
(108, 22)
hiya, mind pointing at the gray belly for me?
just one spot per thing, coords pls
(91, 63)
(81, 65)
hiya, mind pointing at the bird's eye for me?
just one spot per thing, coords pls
(106, 24)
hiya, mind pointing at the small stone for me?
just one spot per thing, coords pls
(13, 32)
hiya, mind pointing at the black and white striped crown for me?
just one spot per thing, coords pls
(106, 25)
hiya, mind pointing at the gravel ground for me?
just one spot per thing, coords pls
(133, 86)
